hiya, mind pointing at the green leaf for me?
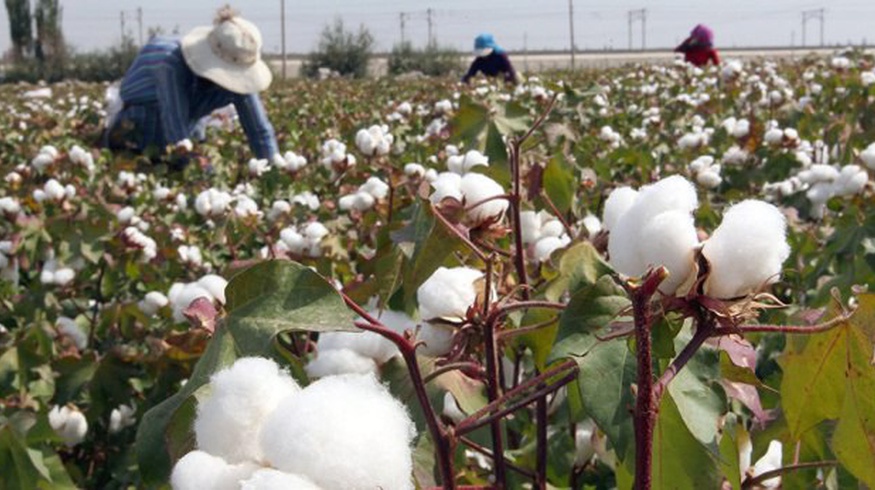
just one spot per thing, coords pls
(854, 437)
(579, 266)
(592, 308)
(275, 296)
(696, 392)
(559, 182)
(730, 464)
(539, 341)
(679, 459)
(470, 121)
(25, 467)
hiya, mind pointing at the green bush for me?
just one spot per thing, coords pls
(94, 66)
(432, 61)
(341, 51)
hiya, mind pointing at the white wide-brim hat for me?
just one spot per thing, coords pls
(229, 54)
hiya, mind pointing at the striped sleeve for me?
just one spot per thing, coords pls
(259, 131)
(173, 102)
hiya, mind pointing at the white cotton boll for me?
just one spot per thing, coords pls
(673, 193)
(447, 184)
(552, 227)
(868, 156)
(375, 140)
(451, 408)
(315, 230)
(327, 433)
(64, 276)
(616, 205)
(774, 136)
(293, 162)
(867, 78)
(368, 344)
(271, 479)
(230, 420)
(584, 449)
(293, 240)
(246, 207)
(70, 329)
(549, 244)
(69, 423)
(591, 224)
(701, 163)
(741, 128)
(333, 362)
(414, 170)
(121, 418)
(154, 301)
(770, 461)
(278, 209)
(851, 180)
(215, 285)
(190, 254)
(180, 301)
(375, 187)
(448, 293)
(258, 166)
(476, 188)
(126, 214)
(9, 205)
(530, 226)
(669, 239)
(462, 164)
(436, 339)
(54, 190)
(747, 250)
(709, 179)
(199, 470)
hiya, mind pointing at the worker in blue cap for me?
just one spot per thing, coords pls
(490, 60)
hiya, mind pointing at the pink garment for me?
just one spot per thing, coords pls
(702, 34)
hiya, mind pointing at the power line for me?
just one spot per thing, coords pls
(639, 15)
(809, 15)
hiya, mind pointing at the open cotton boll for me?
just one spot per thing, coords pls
(184, 296)
(229, 421)
(477, 188)
(584, 449)
(669, 239)
(368, 344)
(199, 470)
(344, 433)
(448, 293)
(530, 226)
(616, 205)
(462, 164)
(673, 193)
(331, 362)
(436, 339)
(747, 250)
(215, 285)
(70, 329)
(447, 184)
(868, 156)
(69, 423)
(271, 479)
(451, 408)
(770, 461)
(549, 244)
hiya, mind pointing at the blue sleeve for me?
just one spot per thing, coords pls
(173, 102)
(256, 125)
(509, 73)
(473, 69)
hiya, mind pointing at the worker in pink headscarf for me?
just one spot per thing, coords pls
(699, 49)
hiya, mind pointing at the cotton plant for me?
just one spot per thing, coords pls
(542, 234)
(737, 128)
(823, 182)
(45, 157)
(54, 191)
(775, 136)
(55, 274)
(335, 157)
(258, 166)
(135, 239)
(213, 203)
(480, 196)
(305, 240)
(290, 162)
(706, 171)
(654, 226)
(444, 299)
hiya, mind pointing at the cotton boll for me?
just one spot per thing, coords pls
(120, 418)
(669, 239)
(770, 461)
(199, 470)
(448, 293)
(271, 479)
(436, 339)
(477, 188)
(868, 156)
(552, 227)
(375, 187)
(447, 184)
(70, 329)
(530, 226)
(215, 285)
(584, 449)
(549, 244)
(851, 180)
(617, 203)
(229, 421)
(328, 432)
(709, 179)
(332, 362)
(673, 193)
(69, 423)
(451, 408)
(747, 250)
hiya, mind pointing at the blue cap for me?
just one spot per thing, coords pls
(484, 41)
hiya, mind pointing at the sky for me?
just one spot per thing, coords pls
(516, 24)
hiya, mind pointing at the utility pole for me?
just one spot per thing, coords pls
(402, 17)
(639, 15)
(283, 33)
(430, 37)
(571, 28)
(123, 25)
(809, 15)
(526, 51)
(140, 23)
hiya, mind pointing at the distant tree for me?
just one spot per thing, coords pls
(341, 51)
(20, 27)
(49, 42)
(432, 61)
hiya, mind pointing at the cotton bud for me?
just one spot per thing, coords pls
(229, 421)
(271, 479)
(746, 251)
(448, 293)
(70, 329)
(462, 164)
(121, 418)
(199, 470)
(327, 432)
(69, 423)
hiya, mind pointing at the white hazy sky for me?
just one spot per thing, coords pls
(516, 24)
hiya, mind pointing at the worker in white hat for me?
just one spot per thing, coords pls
(174, 82)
